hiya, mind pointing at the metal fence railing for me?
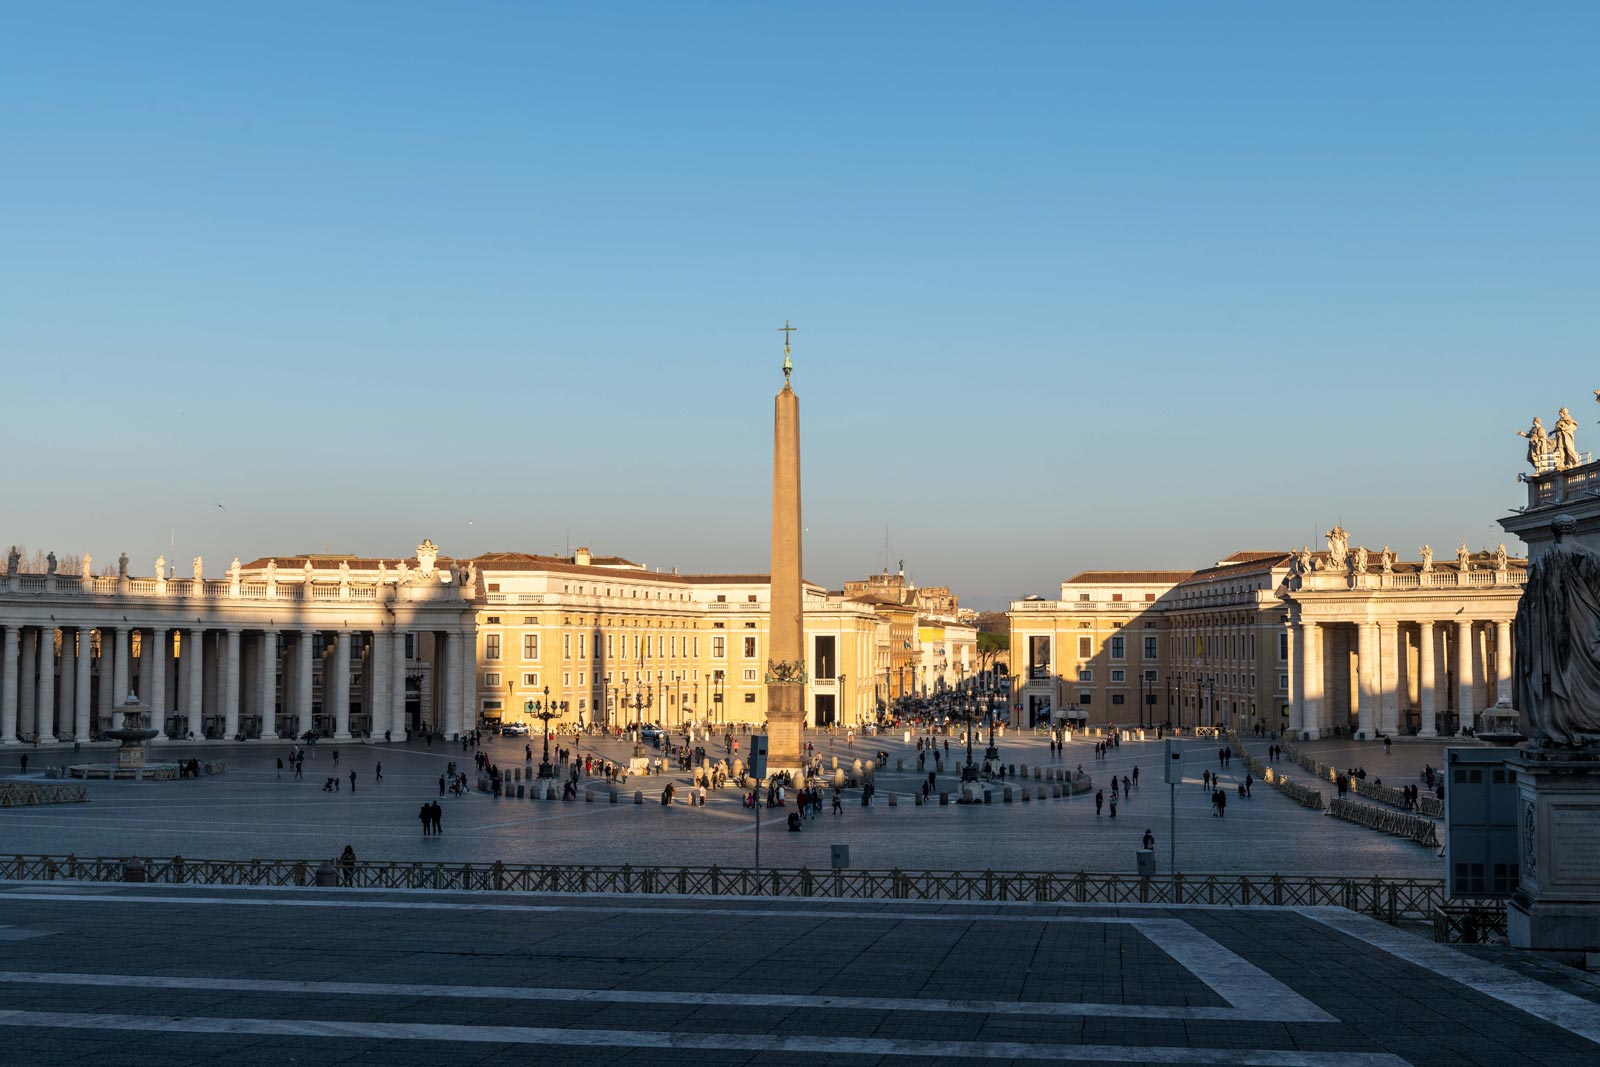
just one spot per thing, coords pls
(1390, 899)
(25, 794)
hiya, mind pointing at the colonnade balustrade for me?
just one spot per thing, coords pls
(236, 659)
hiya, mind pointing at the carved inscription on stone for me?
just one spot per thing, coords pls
(1574, 833)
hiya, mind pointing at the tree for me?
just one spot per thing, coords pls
(991, 645)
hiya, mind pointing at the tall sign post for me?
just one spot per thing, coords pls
(758, 771)
(1174, 778)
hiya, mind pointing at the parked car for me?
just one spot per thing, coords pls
(514, 729)
(649, 732)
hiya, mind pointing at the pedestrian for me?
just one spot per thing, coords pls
(426, 815)
(1222, 804)
(1205, 780)
(336, 757)
(25, 755)
(352, 780)
(1135, 774)
(1113, 805)
(838, 807)
(347, 865)
(1149, 840)
(300, 767)
(438, 818)
(379, 775)
(441, 785)
(1099, 801)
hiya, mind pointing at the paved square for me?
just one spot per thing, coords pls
(159, 974)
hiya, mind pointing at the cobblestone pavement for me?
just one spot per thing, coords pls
(201, 975)
(251, 813)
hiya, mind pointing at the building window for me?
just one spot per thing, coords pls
(1116, 598)
(749, 648)
(751, 598)
(583, 646)
(491, 680)
(491, 646)
(749, 674)
(566, 646)
(697, 647)
(721, 599)
(1119, 647)
(583, 705)
(1085, 697)
(1085, 674)
(1150, 598)
(1283, 681)
(1085, 647)
(718, 648)
(749, 698)
(1083, 597)
(492, 620)
(1116, 698)
(1119, 675)
(1150, 677)
(1283, 647)
(530, 646)
(1151, 650)
(530, 679)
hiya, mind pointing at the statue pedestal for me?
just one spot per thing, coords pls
(1556, 906)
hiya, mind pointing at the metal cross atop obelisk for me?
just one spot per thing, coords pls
(788, 366)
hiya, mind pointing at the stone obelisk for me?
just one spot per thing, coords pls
(786, 659)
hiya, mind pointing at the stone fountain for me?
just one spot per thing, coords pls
(133, 736)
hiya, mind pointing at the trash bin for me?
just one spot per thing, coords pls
(1146, 862)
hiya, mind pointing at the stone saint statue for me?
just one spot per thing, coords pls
(1564, 440)
(88, 568)
(235, 569)
(402, 573)
(1387, 559)
(50, 563)
(1500, 558)
(272, 571)
(1359, 562)
(13, 561)
(199, 569)
(1338, 548)
(122, 565)
(344, 572)
(1427, 559)
(161, 568)
(472, 576)
(1302, 561)
(383, 572)
(1538, 441)
(1556, 676)
(1463, 557)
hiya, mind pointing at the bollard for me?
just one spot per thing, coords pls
(327, 877)
(919, 800)
(1037, 774)
(1041, 792)
(944, 800)
(1005, 797)
(1055, 792)
(133, 870)
(1024, 767)
(1024, 794)
(588, 796)
(638, 796)
(522, 791)
(988, 796)
(893, 803)
(613, 796)
(899, 764)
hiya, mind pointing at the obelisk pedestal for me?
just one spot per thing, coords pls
(786, 659)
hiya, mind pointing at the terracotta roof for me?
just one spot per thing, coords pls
(1263, 563)
(1127, 577)
(1253, 557)
(525, 561)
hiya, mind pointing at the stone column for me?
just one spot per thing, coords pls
(1367, 679)
(1427, 684)
(376, 683)
(80, 692)
(27, 706)
(143, 686)
(107, 674)
(230, 686)
(155, 651)
(302, 680)
(1465, 716)
(267, 680)
(339, 691)
(397, 685)
(8, 688)
(1312, 721)
(46, 728)
(1297, 681)
(1389, 678)
(469, 685)
(455, 659)
(195, 681)
(121, 670)
(1502, 661)
(69, 673)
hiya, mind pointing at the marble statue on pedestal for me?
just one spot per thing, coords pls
(1359, 561)
(1564, 440)
(13, 561)
(199, 569)
(50, 563)
(1338, 548)
(88, 568)
(1463, 557)
(1427, 559)
(1386, 557)
(1557, 638)
(122, 565)
(1538, 441)
(161, 568)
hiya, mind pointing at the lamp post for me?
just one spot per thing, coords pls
(969, 773)
(544, 712)
(991, 755)
(641, 700)
(843, 702)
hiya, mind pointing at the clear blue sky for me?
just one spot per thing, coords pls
(1078, 285)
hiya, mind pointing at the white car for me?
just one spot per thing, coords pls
(514, 729)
